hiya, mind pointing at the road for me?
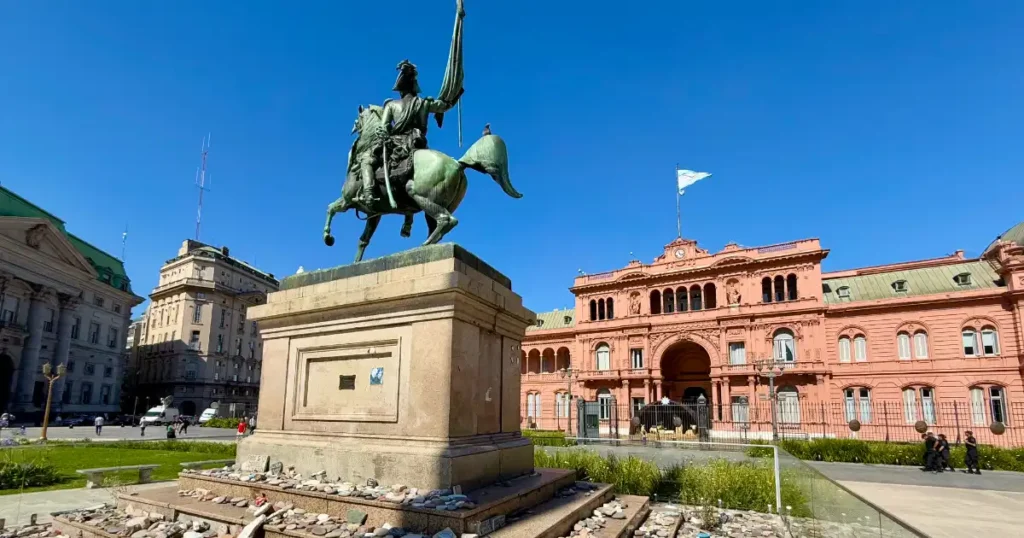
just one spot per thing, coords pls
(118, 433)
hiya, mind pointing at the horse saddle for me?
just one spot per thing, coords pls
(399, 170)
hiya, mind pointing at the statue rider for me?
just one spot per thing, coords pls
(404, 121)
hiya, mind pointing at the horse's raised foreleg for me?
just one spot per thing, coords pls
(331, 210)
(407, 225)
(445, 220)
(364, 240)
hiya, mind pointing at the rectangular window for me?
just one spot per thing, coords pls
(737, 353)
(111, 337)
(117, 308)
(76, 328)
(197, 313)
(193, 341)
(10, 315)
(220, 343)
(48, 321)
(90, 369)
(989, 342)
(86, 393)
(970, 340)
(105, 394)
(865, 406)
(223, 317)
(997, 399)
(108, 371)
(98, 301)
(844, 349)
(638, 405)
(928, 405)
(921, 345)
(740, 410)
(636, 357)
(860, 349)
(909, 406)
(977, 406)
(252, 328)
(94, 333)
(71, 366)
(66, 396)
(604, 406)
(603, 358)
(903, 346)
(849, 409)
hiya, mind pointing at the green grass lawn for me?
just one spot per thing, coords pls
(68, 458)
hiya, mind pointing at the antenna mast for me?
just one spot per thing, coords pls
(201, 182)
(124, 241)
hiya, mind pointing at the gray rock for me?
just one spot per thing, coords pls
(355, 517)
(192, 534)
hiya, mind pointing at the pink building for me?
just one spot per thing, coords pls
(937, 340)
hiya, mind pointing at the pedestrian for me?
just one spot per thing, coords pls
(241, 428)
(971, 459)
(930, 455)
(170, 431)
(99, 424)
(142, 428)
(252, 424)
(943, 445)
(184, 426)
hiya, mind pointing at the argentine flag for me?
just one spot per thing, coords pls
(689, 177)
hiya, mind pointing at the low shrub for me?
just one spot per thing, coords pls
(548, 438)
(219, 422)
(739, 485)
(877, 452)
(195, 447)
(26, 475)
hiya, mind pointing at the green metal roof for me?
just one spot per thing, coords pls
(923, 281)
(110, 269)
(556, 319)
(1013, 235)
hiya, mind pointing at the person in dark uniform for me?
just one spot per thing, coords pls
(943, 446)
(971, 459)
(930, 455)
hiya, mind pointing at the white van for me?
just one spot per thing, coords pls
(207, 415)
(159, 415)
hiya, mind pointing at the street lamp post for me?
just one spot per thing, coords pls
(569, 374)
(52, 376)
(771, 368)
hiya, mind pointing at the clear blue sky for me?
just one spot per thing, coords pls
(890, 130)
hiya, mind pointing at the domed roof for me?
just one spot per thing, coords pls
(1014, 235)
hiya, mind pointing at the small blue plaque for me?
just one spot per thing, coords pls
(377, 376)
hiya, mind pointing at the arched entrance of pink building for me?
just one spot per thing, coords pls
(686, 372)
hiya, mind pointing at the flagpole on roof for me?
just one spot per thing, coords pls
(679, 222)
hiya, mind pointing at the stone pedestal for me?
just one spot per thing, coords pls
(403, 368)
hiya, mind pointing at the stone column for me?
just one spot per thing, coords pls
(657, 389)
(61, 355)
(752, 402)
(29, 364)
(716, 395)
(647, 391)
(726, 391)
(626, 400)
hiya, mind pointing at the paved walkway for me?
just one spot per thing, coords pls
(18, 508)
(118, 433)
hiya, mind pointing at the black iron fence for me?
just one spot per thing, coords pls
(993, 423)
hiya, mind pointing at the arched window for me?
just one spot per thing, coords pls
(789, 405)
(695, 299)
(766, 290)
(670, 301)
(989, 341)
(682, 303)
(860, 348)
(970, 341)
(920, 345)
(903, 346)
(780, 289)
(610, 307)
(995, 397)
(857, 399)
(844, 349)
(532, 405)
(533, 362)
(655, 302)
(926, 411)
(600, 309)
(791, 293)
(604, 399)
(593, 310)
(784, 346)
(547, 361)
(710, 295)
(603, 357)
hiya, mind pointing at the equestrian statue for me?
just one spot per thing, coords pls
(390, 169)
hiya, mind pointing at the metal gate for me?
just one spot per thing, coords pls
(590, 415)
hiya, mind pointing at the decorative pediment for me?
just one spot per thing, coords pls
(632, 276)
(42, 236)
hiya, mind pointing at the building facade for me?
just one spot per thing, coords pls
(62, 301)
(194, 342)
(939, 341)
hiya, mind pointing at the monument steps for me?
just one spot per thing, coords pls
(557, 516)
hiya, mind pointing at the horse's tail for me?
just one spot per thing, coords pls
(489, 156)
